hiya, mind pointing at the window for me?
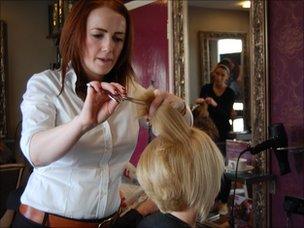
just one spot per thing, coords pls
(227, 46)
(238, 121)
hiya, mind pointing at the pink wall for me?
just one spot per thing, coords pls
(287, 98)
(150, 56)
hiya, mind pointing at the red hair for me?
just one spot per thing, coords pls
(73, 37)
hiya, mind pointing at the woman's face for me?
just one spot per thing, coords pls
(105, 35)
(220, 77)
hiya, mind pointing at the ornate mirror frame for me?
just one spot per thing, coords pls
(3, 72)
(259, 85)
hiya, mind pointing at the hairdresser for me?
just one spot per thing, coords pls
(220, 99)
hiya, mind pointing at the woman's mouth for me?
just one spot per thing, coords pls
(105, 60)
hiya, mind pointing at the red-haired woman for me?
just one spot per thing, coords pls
(77, 137)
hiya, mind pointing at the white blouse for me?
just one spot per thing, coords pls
(84, 184)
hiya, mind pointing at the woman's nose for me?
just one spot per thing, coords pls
(107, 45)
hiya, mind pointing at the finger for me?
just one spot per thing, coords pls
(95, 85)
(90, 93)
(94, 95)
(109, 87)
(158, 100)
(157, 92)
(199, 100)
(176, 103)
(120, 88)
(170, 99)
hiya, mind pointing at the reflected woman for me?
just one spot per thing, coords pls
(220, 99)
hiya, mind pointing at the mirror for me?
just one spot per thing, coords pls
(181, 74)
(218, 46)
(217, 31)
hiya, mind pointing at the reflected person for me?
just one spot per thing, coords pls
(220, 99)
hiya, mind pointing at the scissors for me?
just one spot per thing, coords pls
(119, 98)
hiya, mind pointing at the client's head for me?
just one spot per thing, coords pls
(203, 122)
(181, 168)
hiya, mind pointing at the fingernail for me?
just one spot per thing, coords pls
(113, 98)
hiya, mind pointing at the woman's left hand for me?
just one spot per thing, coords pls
(147, 207)
(167, 98)
(211, 101)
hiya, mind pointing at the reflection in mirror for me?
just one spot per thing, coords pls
(185, 70)
(231, 47)
(218, 30)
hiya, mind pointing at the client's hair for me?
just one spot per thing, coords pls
(182, 167)
(203, 121)
(223, 66)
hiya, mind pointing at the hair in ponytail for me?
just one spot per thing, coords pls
(182, 167)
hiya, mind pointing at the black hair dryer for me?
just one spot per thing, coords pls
(277, 130)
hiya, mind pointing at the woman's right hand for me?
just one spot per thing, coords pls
(97, 105)
(96, 109)
(200, 100)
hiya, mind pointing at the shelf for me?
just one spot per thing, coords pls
(222, 222)
(293, 149)
(250, 178)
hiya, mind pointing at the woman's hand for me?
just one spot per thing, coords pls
(200, 101)
(210, 101)
(147, 207)
(98, 106)
(167, 98)
(123, 203)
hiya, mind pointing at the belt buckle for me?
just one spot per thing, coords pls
(105, 222)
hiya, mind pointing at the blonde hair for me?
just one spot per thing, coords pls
(182, 167)
(222, 66)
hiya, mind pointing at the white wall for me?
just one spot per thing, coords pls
(29, 51)
(203, 19)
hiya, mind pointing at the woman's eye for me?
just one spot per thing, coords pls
(97, 36)
(118, 39)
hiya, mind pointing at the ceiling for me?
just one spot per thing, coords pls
(217, 4)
